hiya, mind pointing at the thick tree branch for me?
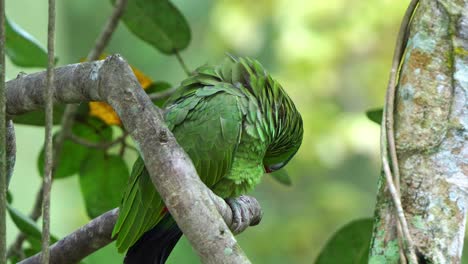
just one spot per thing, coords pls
(97, 233)
(171, 171)
(431, 135)
(81, 243)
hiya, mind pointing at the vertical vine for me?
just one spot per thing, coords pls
(3, 176)
(48, 93)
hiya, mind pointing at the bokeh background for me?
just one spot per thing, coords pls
(332, 57)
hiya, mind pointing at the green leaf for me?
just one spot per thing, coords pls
(13, 259)
(157, 87)
(375, 115)
(26, 225)
(22, 49)
(9, 197)
(73, 154)
(37, 118)
(282, 177)
(350, 244)
(159, 23)
(31, 251)
(102, 180)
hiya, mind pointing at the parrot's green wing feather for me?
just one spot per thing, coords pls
(211, 132)
(129, 195)
(207, 124)
(140, 210)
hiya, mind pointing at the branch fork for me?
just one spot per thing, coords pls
(111, 80)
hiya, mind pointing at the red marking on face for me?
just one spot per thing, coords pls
(164, 210)
(267, 170)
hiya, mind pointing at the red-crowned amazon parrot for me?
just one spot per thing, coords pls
(236, 123)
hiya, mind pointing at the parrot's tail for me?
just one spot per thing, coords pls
(155, 245)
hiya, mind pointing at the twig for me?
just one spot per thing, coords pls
(96, 145)
(97, 233)
(163, 94)
(3, 132)
(48, 145)
(131, 147)
(402, 225)
(388, 134)
(123, 146)
(108, 30)
(182, 63)
(10, 150)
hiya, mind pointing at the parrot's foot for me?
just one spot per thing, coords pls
(241, 216)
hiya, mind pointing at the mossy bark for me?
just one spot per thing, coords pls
(431, 132)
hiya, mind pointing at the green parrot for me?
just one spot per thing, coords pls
(236, 123)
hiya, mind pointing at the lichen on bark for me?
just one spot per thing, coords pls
(431, 132)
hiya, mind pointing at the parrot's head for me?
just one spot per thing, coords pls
(278, 116)
(283, 149)
(287, 132)
(280, 121)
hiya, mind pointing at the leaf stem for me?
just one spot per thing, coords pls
(182, 63)
(163, 94)
(97, 145)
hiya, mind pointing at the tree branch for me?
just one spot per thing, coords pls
(430, 137)
(171, 171)
(97, 233)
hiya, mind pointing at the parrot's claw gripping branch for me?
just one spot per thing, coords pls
(243, 214)
(172, 172)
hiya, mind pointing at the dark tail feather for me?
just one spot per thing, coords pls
(155, 245)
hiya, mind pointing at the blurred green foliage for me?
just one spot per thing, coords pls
(332, 57)
(21, 48)
(158, 23)
(350, 244)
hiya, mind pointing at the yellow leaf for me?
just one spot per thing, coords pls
(144, 80)
(104, 111)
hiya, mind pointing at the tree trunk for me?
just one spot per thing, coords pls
(431, 132)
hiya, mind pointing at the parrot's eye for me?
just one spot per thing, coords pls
(275, 167)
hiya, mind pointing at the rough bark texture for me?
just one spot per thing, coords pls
(431, 130)
(172, 172)
(97, 233)
(84, 241)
